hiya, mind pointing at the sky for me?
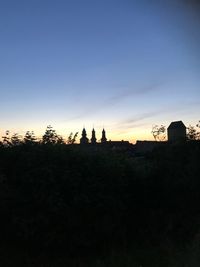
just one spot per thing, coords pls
(124, 65)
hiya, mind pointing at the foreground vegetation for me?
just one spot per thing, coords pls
(67, 205)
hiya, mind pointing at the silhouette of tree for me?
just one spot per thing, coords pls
(6, 139)
(16, 139)
(159, 132)
(29, 138)
(60, 140)
(198, 133)
(51, 137)
(192, 132)
(72, 139)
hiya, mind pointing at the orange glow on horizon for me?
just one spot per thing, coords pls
(114, 135)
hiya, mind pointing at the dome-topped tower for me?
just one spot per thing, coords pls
(84, 139)
(103, 138)
(93, 139)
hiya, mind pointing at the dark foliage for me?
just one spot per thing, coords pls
(80, 200)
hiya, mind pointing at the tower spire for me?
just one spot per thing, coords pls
(103, 138)
(84, 139)
(93, 139)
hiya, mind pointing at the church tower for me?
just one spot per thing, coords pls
(84, 139)
(103, 138)
(93, 139)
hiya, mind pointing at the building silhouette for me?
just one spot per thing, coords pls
(114, 145)
(103, 138)
(84, 139)
(176, 131)
(93, 139)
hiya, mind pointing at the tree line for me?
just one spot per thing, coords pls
(79, 201)
(50, 137)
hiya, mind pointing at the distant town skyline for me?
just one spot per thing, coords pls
(119, 64)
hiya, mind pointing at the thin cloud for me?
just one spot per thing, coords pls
(138, 120)
(124, 129)
(116, 99)
(132, 92)
(140, 117)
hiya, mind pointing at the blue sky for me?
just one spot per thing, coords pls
(122, 64)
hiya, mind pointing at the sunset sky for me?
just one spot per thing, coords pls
(120, 64)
